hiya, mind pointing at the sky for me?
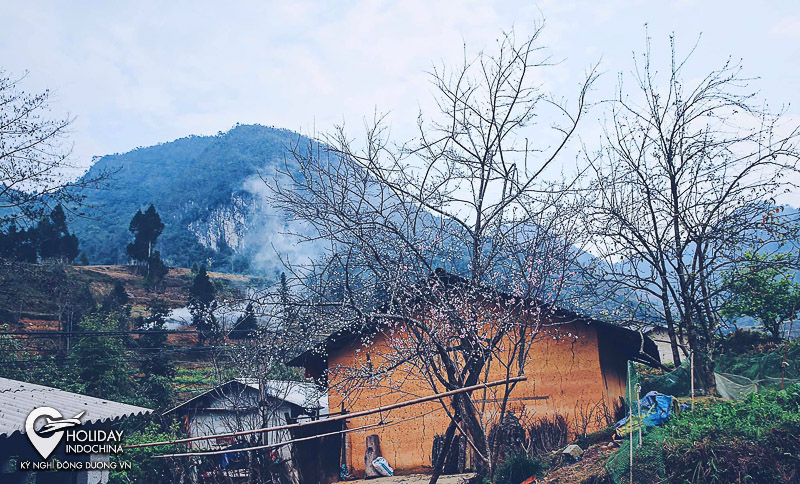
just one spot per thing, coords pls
(139, 73)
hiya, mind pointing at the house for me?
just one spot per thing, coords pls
(235, 406)
(660, 337)
(576, 368)
(18, 399)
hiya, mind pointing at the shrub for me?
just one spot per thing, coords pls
(145, 468)
(548, 434)
(743, 341)
(507, 437)
(752, 440)
(516, 469)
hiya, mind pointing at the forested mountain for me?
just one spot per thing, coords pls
(208, 191)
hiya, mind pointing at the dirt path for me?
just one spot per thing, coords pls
(415, 479)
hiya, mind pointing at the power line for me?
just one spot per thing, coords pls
(132, 348)
(97, 333)
(67, 359)
(143, 332)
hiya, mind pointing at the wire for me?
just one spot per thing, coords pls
(119, 358)
(170, 348)
(45, 334)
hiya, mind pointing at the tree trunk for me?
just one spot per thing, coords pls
(703, 364)
(704, 374)
(441, 459)
(673, 339)
(475, 431)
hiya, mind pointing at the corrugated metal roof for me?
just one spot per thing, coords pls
(18, 399)
(302, 394)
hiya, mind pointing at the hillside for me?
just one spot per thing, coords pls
(34, 296)
(208, 192)
(52, 297)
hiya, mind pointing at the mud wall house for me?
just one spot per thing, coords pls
(234, 406)
(576, 368)
(18, 399)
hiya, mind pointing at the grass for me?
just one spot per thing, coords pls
(756, 439)
(193, 378)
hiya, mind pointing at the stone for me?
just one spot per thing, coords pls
(573, 451)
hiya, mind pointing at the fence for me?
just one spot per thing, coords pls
(640, 458)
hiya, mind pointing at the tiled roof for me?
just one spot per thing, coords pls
(18, 399)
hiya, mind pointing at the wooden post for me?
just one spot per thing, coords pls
(373, 452)
(344, 462)
(630, 424)
(639, 416)
(691, 375)
(786, 350)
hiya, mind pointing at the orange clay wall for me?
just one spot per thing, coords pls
(564, 376)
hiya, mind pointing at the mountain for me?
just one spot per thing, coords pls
(209, 193)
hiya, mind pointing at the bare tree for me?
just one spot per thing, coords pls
(257, 360)
(682, 190)
(35, 169)
(451, 245)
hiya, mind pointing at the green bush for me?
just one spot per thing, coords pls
(743, 341)
(516, 469)
(756, 439)
(145, 468)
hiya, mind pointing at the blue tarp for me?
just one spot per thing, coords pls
(655, 409)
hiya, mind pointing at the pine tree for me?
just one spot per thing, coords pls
(202, 304)
(156, 270)
(156, 366)
(54, 240)
(26, 246)
(8, 242)
(146, 227)
(246, 326)
(117, 298)
(49, 240)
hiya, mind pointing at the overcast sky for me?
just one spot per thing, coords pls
(139, 73)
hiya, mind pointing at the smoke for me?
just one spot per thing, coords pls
(273, 238)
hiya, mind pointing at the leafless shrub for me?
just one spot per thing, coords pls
(548, 433)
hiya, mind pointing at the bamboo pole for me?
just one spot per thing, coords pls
(270, 446)
(333, 419)
(630, 422)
